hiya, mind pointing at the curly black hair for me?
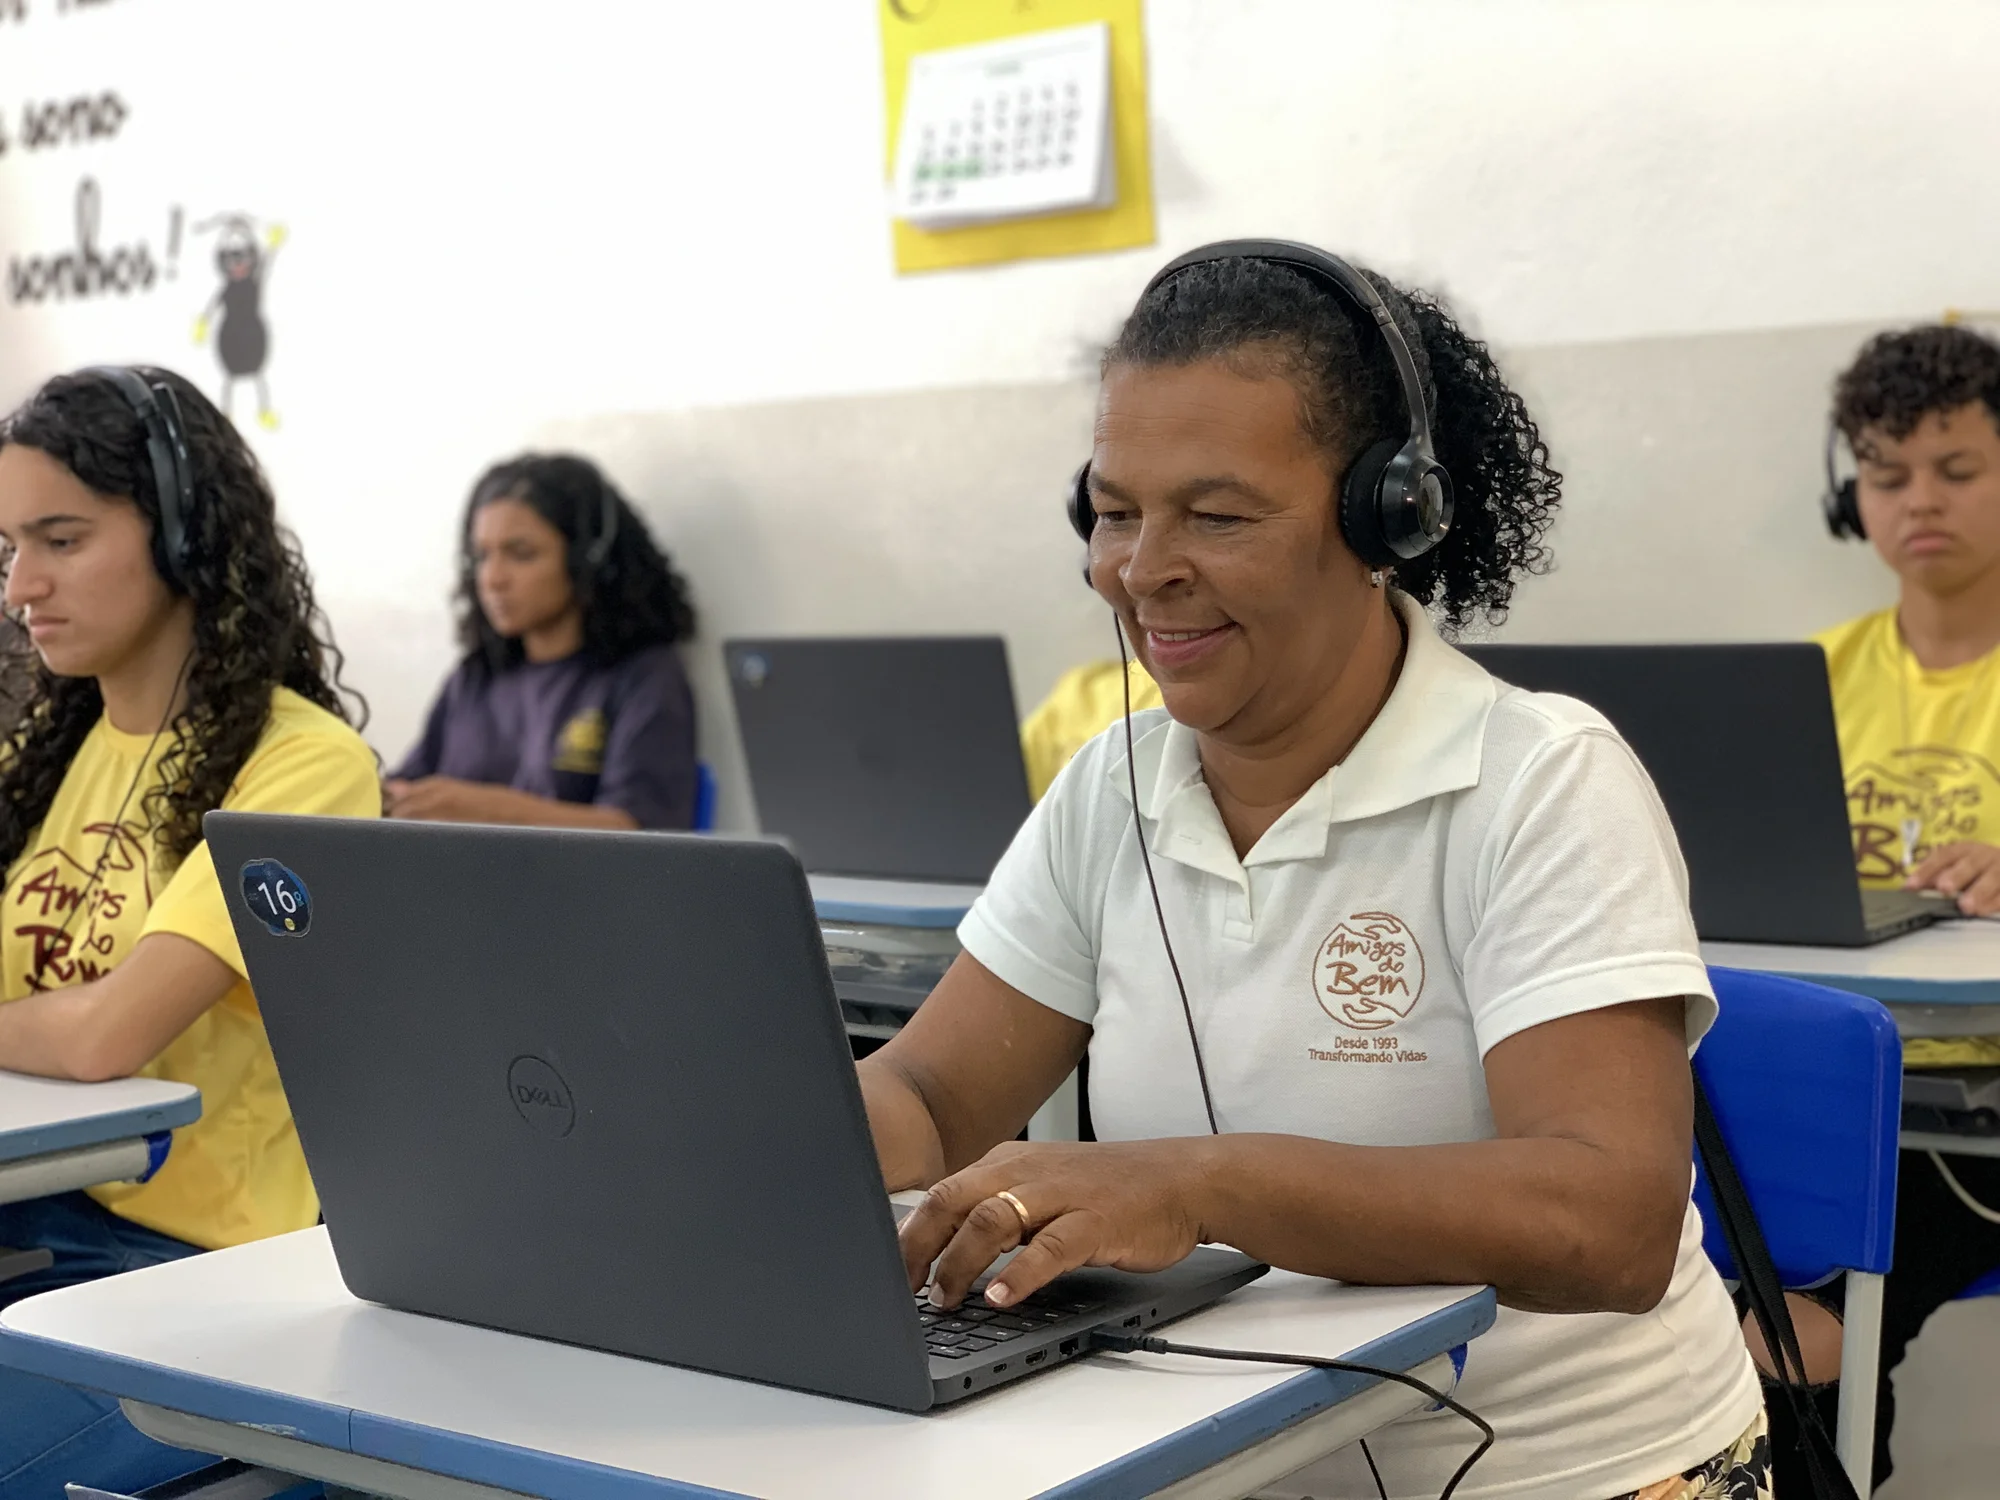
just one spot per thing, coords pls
(1900, 378)
(256, 626)
(1265, 316)
(634, 599)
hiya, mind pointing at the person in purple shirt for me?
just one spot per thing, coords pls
(570, 708)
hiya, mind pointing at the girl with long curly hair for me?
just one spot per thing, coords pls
(176, 663)
(570, 708)
(1383, 968)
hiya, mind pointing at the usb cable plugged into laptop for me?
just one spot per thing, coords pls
(1117, 1341)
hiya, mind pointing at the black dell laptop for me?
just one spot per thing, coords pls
(897, 758)
(594, 1087)
(1740, 741)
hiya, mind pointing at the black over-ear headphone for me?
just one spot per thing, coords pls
(1396, 500)
(156, 406)
(597, 550)
(1841, 502)
(591, 548)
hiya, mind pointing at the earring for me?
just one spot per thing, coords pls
(1378, 577)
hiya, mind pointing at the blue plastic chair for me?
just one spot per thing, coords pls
(1986, 1286)
(704, 798)
(1807, 1086)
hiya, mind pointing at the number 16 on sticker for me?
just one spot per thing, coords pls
(277, 898)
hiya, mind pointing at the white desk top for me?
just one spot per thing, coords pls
(1950, 963)
(41, 1115)
(267, 1334)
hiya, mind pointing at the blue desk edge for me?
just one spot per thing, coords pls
(1890, 990)
(504, 1466)
(129, 1124)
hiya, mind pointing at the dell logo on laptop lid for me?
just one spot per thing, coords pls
(540, 1096)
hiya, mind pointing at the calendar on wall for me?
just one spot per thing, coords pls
(1007, 129)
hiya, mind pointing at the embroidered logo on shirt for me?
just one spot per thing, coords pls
(580, 745)
(1369, 973)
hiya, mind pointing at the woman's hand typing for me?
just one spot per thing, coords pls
(1127, 1204)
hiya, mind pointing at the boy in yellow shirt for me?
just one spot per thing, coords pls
(1916, 694)
(1085, 701)
(178, 666)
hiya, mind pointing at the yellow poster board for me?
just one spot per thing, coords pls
(913, 26)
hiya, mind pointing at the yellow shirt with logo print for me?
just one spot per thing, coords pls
(1916, 747)
(237, 1173)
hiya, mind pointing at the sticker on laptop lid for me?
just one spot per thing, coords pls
(277, 898)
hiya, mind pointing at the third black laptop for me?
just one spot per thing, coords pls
(594, 1087)
(1740, 741)
(897, 758)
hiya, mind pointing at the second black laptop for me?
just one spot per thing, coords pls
(1740, 741)
(898, 758)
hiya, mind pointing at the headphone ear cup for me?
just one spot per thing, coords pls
(1082, 514)
(1843, 511)
(1360, 505)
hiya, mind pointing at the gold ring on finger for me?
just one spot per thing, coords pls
(1020, 1208)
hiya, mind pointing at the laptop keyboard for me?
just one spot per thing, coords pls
(974, 1328)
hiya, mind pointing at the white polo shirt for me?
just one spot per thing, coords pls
(1483, 861)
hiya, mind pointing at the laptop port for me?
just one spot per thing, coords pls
(1133, 1321)
(1066, 1348)
(1036, 1358)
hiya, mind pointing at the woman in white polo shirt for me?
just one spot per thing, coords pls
(1432, 930)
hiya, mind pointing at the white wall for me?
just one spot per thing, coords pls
(513, 219)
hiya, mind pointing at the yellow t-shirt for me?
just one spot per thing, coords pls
(1918, 747)
(237, 1174)
(1085, 702)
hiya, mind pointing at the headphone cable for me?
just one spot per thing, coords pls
(57, 949)
(1160, 1346)
(1117, 1342)
(1146, 859)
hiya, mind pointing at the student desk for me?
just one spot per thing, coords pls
(891, 903)
(925, 907)
(56, 1136)
(260, 1353)
(1939, 981)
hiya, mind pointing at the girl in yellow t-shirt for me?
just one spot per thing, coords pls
(178, 664)
(1916, 694)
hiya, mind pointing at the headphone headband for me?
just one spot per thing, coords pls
(1325, 267)
(598, 551)
(589, 549)
(159, 411)
(1396, 498)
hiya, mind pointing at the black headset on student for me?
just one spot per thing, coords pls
(1396, 501)
(591, 548)
(1841, 501)
(159, 410)
(597, 550)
